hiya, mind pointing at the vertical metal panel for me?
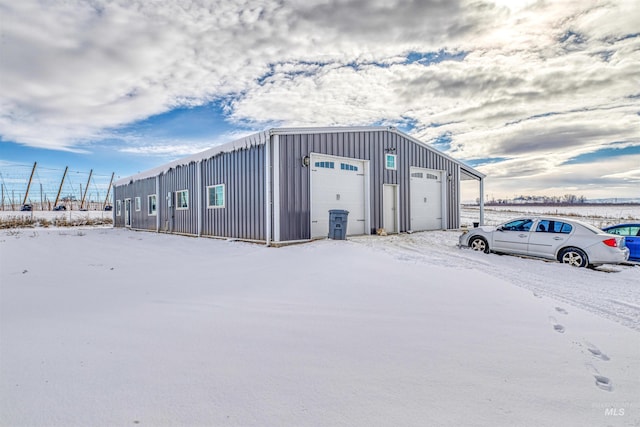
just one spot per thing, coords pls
(242, 172)
(141, 219)
(244, 175)
(118, 220)
(295, 197)
(182, 221)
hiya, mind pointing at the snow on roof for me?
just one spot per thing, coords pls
(239, 144)
(262, 137)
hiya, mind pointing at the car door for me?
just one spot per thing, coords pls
(512, 237)
(548, 237)
(633, 242)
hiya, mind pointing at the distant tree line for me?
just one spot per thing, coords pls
(567, 199)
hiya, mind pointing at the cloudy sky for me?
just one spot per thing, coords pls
(542, 96)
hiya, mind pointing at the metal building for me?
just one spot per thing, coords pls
(277, 186)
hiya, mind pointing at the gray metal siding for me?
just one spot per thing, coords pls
(118, 192)
(242, 172)
(294, 188)
(173, 220)
(123, 192)
(141, 219)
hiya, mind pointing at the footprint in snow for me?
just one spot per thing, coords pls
(602, 382)
(556, 326)
(595, 351)
(561, 310)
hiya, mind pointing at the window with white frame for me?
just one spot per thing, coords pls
(216, 196)
(182, 199)
(152, 205)
(118, 207)
(390, 161)
(138, 204)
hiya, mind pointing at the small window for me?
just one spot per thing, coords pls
(620, 231)
(328, 165)
(625, 231)
(215, 196)
(152, 204)
(118, 207)
(138, 204)
(543, 227)
(432, 176)
(417, 175)
(547, 226)
(390, 161)
(348, 167)
(565, 228)
(182, 199)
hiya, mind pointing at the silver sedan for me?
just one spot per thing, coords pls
(566, 240)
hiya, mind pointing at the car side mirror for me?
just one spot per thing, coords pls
(501, 228)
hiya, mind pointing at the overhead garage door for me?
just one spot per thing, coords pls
(426, 199)
(337, 183)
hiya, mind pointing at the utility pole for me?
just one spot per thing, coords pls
(41, 200)
(106, 199)
(29, 184)
(85, 190)
(60, 189)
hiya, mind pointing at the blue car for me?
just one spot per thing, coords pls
(631, 233)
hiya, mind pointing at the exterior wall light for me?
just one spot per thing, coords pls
(306, 161)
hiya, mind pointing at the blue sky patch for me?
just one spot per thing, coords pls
(190, 123)
(407, 125)
(603, 153)
(443, 141)
(485, 161)
(429, 58)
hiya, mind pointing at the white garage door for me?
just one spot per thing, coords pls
(426, 199)
(337, 183)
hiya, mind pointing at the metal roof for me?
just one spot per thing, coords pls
(262, 137)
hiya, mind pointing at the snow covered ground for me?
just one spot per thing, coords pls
(109, 327)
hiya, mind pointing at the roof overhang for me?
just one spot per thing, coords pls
(467, 174)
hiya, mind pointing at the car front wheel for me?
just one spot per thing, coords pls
(574, 257)
(479, 244)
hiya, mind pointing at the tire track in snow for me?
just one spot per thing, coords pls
(616, 299)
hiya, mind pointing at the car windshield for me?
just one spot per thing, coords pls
(518, 225)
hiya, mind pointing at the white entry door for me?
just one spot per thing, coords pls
(337, 183)
(426, 199)
(390, 208)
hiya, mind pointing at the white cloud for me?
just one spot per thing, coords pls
(536, 82)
